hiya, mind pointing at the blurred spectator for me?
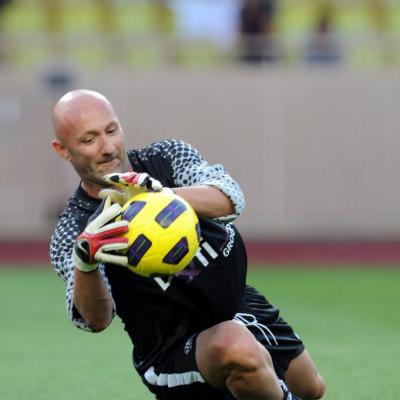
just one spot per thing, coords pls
(379, 12)
(53, 23)
(3, 50)
(56, 74)
(53, 11)
(207, 21)
(163, 17)
(380, 18)
(257, 31)
(163, 24)
(323, 45)
(114, 48)
(106, 16)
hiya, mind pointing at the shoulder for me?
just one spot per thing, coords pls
(170, 148)
(73, 218)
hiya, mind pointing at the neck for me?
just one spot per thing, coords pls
(91, 189)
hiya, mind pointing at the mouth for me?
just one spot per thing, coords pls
(109, 164)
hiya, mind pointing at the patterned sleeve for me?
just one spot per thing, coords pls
(190, 168)
(61, 246)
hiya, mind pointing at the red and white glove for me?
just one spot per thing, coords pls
(129, 185)
(100, 239)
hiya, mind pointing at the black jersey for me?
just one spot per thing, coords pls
(175, 163)
(158, 313)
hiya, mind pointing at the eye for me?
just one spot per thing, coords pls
(87, 140)
(111, 129)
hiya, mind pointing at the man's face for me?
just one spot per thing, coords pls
(95, 145)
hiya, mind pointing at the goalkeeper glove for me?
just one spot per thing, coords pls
(100, 238)
(129, 185)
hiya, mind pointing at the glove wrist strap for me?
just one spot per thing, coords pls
(81, 265)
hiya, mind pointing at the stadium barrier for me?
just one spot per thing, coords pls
(316, 151)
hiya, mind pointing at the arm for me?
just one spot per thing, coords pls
(208, 188)
(92, 299)
(207, 201)
(101, 235)
(90, 304)
(80, 286)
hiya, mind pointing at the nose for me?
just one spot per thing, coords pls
(107, 144)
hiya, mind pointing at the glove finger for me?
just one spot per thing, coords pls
(143, 179)
(113, 259)
(156, 185)
(115, 245)
(114, 179)
(129, 179)
(123, 179)
(133, 191)
(113, 229)
(134, 178)
(107, 202)
(107, 215)
(106, 192)
(149, 183)
(100, 209)
(115, 196)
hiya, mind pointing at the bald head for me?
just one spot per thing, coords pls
(76, 108)
(89, 136)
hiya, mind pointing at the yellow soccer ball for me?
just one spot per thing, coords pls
(163, 234)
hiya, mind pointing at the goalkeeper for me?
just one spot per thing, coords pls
(201, 334)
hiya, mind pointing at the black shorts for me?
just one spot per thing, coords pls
(178, 377)
(272, 331)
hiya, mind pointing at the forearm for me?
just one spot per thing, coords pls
(92, 299)
(207, 201)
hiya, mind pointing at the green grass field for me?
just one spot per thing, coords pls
(349, 319)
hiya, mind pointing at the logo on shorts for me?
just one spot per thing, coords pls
(188, 345)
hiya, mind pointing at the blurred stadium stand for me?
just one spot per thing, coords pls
(194, 32)
(315, 148)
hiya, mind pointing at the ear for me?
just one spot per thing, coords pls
(61, 150)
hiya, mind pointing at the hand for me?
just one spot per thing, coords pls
(100, 238)
(129, 185)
